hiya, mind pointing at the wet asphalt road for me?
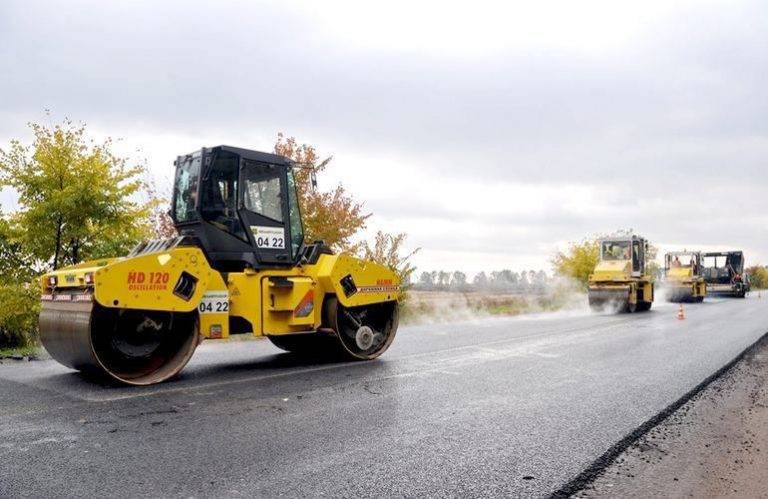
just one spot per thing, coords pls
(490, 407)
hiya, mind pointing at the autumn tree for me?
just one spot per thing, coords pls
(578, 261)
(76, 198)
(758, 276)
(160, 220)
(19, 296)
(16, 265)
(331, 216)
(335, 217)
(387, 249)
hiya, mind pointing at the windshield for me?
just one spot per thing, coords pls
(185, 189)
(678, 261)
(615, 250)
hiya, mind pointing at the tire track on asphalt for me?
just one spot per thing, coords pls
(164, 389)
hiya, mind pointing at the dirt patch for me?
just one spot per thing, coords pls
(715, 445)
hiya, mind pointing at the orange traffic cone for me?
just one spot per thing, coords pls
(681, 313)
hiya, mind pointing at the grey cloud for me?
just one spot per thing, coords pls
(664, 121)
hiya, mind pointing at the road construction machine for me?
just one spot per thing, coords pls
(239, 265)
(683, 281)
(724, 273)
(620, 281)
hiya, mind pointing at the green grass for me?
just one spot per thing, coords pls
(28, 351)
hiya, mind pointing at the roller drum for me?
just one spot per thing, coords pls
(681, 294)
(355, 333)
(616, 299)
(134, 347)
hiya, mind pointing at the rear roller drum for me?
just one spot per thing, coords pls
(363, 332)
(356, 333)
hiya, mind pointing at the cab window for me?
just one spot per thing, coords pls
(636, 256)
(262, 194)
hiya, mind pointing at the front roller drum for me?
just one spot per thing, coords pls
(135, 347)
(610, 300)
(682, 294)
(351, 333)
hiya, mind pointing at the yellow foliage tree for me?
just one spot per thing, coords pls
(578, 261)
(330, 216)
(335, 217)
(758, 276)
(387, 249)
(76, 198)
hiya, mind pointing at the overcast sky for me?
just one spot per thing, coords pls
(491, 132)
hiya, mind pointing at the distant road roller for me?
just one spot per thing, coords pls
(239, 265)
(620, 281)
(683, 280)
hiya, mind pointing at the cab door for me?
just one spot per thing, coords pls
(638, 260)
(263, 207)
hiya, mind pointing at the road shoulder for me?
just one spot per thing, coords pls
(715, 445)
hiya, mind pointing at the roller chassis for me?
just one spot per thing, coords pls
(137, 311)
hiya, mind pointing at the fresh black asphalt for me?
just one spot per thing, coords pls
(490, 407)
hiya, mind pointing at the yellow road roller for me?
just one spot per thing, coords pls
(620, 281)
(683, 280)
(239, 265)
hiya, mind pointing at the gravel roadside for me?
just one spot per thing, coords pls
(715, 445)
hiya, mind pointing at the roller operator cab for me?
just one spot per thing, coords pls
(239, 265)
(683, 281)
(620, 281)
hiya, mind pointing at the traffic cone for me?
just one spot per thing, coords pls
(681, 313)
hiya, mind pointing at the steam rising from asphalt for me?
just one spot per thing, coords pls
(661, 295)
(609, 308)
(562, 297)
